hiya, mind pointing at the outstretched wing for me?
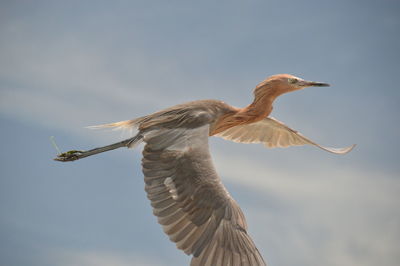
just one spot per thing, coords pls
(273, 133)
(192, 205)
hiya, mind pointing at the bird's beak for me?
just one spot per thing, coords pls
(305, 83)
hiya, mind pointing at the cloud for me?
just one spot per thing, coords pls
(98, 258)
(303, 208)
(327, 216)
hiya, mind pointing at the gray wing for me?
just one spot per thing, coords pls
(273, 133)
(193, 207)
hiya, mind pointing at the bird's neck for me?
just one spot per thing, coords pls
(259, 109)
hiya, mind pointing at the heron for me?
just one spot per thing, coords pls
(188, 198)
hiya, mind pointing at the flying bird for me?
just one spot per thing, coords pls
(192, 205)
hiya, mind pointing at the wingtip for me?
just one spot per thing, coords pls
(341, 150)
(351, 148)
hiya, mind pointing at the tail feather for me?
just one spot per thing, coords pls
(127, 124)
(130, 125)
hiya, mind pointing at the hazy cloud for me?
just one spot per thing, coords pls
(66, 65)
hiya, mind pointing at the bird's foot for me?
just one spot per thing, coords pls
(69, 156)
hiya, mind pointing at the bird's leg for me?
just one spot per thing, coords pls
(76, 155)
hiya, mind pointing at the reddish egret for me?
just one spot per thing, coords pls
(187, 196)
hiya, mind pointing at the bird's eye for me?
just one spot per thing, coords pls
(292, 80)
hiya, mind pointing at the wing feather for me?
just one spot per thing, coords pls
(191, 204)
(273, 133)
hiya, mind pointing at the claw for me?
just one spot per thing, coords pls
(68, 156)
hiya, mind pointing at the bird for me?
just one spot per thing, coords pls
(188, 198)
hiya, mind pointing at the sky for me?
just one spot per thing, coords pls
(65, 65)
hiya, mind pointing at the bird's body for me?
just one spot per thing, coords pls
(186, 193)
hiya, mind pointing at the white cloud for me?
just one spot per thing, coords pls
(98, 258)
(329, 216)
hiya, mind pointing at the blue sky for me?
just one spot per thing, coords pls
(65, 65)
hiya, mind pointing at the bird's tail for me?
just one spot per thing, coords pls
(127, 124)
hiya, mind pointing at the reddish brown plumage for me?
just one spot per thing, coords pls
(265, 94)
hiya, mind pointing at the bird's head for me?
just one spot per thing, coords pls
(282, 83)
